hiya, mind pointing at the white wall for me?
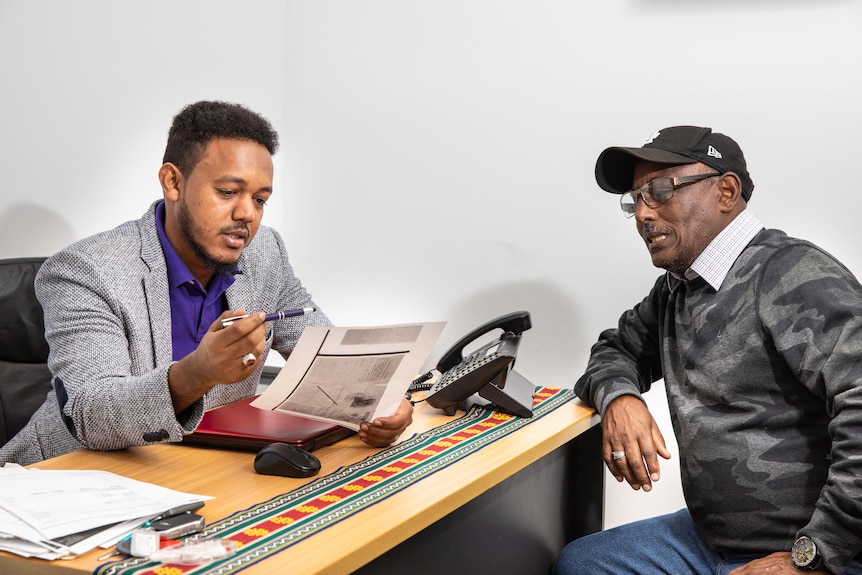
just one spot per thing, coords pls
(437, 159)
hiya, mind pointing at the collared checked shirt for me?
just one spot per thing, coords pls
(714, 263)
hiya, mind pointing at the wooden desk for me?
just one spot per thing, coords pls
(557, 458)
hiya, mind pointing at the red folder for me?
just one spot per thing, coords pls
(240, 426)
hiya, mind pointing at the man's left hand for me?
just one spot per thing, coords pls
(384, 431)
(774, 564)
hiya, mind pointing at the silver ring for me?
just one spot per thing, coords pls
(618, 454)
(249, 359)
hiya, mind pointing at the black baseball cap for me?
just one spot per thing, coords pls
(675, 146)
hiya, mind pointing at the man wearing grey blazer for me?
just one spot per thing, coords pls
(137, 352)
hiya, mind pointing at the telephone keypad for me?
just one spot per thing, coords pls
(474, 362)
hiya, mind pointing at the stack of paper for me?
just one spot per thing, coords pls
(51, 514)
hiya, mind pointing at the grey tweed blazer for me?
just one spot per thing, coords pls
(108, 326)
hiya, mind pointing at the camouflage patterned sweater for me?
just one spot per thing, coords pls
(764, 384)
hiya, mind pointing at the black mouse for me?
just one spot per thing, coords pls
(286, 460)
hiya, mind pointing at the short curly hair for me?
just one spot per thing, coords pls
(200, 123)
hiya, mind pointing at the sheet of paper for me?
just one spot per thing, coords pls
(347, 375)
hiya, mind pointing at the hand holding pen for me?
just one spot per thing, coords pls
(226, 354)
(250, 359)
(271, 316)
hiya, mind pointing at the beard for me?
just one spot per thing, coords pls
(189, 232)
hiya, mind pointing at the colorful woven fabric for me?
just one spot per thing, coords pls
(272, 526)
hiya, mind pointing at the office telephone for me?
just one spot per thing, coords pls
(486, 372)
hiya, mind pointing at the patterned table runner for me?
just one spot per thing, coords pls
(274, 525)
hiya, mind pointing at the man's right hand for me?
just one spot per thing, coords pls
(632, 442)
(218, 358)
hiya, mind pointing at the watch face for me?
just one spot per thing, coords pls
(804, 552)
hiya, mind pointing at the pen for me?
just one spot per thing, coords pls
(271, 316)
(185, 508)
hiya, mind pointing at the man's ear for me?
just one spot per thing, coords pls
(730, 188)
(170, 178)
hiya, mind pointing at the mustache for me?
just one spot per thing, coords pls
(650, 229)
(243, 228)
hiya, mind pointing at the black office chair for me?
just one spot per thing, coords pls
(24, 375)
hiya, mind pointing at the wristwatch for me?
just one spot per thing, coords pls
(804, 554)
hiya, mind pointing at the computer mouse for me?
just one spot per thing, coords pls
(286, 460)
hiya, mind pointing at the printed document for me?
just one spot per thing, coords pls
(347, 375)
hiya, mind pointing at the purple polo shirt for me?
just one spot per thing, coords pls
(193, 307)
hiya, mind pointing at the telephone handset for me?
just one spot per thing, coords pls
(486, 371)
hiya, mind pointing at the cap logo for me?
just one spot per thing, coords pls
(713, 152)
(652, 138)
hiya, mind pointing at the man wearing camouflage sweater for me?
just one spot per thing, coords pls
(758, 337)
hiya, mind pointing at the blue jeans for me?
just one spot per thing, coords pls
(664, 545)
